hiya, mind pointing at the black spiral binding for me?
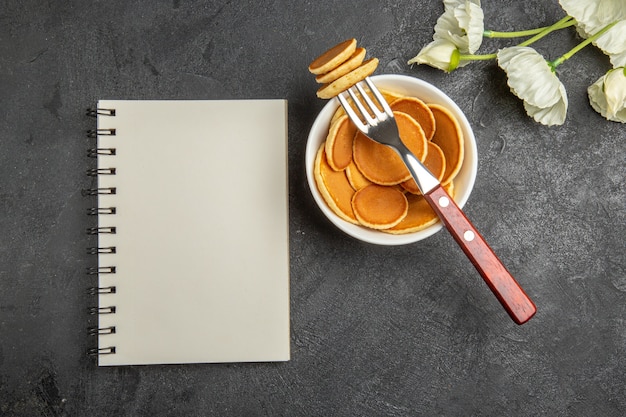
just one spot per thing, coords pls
(100, 230)
(99, 191)
(94, 211)
(94, 133)
(94, 172)
(101, 290)
(94, 152)
(100, 112)
(101, 351)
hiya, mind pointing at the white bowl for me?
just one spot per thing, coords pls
(463, 182)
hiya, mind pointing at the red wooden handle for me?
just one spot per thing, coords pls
(512, 297)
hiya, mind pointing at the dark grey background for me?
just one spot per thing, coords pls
(376, 331)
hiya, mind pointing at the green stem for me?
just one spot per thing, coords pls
(470, 57)
(539, 33)
(516, 34)
(563, 23)
(580, 46)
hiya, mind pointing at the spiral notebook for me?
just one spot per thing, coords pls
(192, 232)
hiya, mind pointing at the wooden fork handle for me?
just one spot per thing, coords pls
(512, 297)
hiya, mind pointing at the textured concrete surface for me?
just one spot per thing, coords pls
(376, 331)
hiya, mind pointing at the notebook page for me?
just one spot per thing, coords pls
(202, 259)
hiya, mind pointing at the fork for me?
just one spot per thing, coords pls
(381, 127)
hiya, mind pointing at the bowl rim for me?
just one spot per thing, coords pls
(464, 182)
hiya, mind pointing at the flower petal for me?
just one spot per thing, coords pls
(597, 99)
(551, 115)
(593, 15)
(452, 4)
(462, 24)
(529, 75)
(607, 95)
(437, 54)
(447, 28)
(615, 91)
(613, 43)
(471, 19)
(531, 79)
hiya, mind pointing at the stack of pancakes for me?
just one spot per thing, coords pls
(340, 68)
(366, 183)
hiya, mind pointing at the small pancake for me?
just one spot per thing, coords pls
(379, 207)
(341, 84)
(339, 144)
(449, 137)
(418, 110)
(334, 188)
(381, 164)
(388, 95)
(419, 216)
(333, 57)
(435, 162)
(356, 178)
(353, 62)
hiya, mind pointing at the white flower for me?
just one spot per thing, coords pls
(593, 15)
(532, 79)
(459, 30)
(462, 23)
(613, 43)
(608, 95)
(439, 54)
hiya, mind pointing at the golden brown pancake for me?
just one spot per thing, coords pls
(341, 84)
(379, 207)
(334, 188)
(356, 178)
(419, 216)
(339, 144)
(333, 57)
(435, 162)
(419, 111)
(351, 63)
(381, 164)
(449, 137)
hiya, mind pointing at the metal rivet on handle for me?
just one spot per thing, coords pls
(444, 201)
(469, 235)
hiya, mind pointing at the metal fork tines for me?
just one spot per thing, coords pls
(379, 124)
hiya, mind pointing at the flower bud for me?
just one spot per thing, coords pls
(439, 54)
(608, 95)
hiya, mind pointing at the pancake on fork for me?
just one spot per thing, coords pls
(344, 82)
(333, 57)
(351, 63)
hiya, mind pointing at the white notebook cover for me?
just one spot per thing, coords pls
(201, 232)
